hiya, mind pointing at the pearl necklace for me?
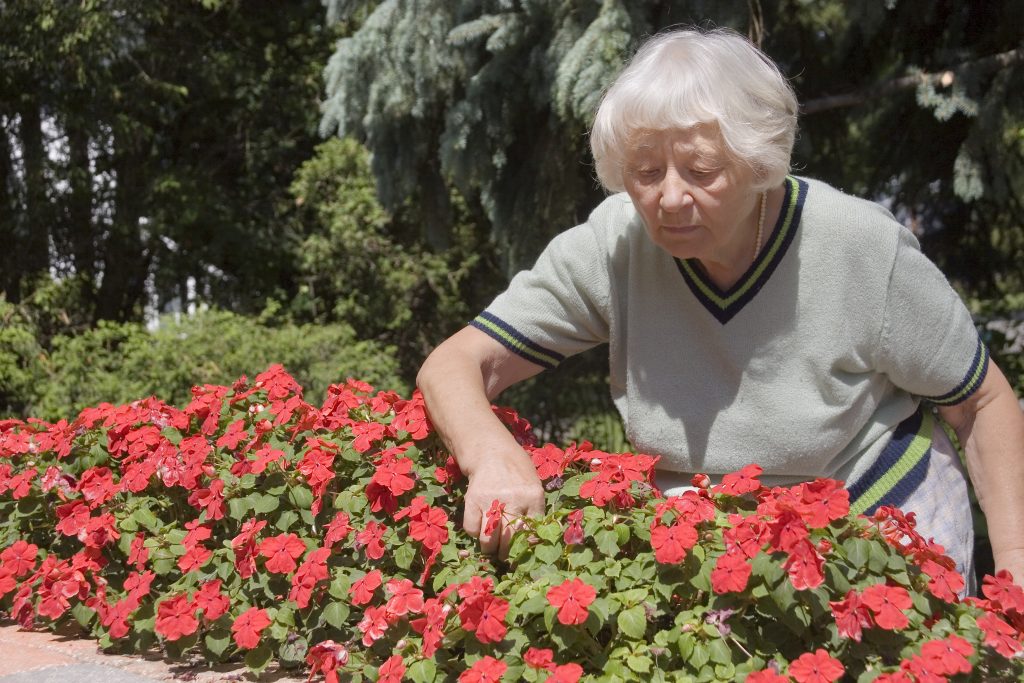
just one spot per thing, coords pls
(760, 223)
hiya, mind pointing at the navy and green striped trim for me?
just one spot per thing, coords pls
(725, 305)
(900, 468)
(971, 381)
(514, 341)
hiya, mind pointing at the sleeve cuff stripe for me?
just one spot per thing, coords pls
(970, 383)
(521, 345)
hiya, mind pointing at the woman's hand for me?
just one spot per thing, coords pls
(510, 479)
(459, 380)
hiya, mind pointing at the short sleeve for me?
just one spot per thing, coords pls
(560, 306)
(929, 344)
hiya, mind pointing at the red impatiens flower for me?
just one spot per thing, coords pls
(671, 543)
(362, 589)
(337, 529)
(138, 554)
(20, 557)
(887, 604)
(175, 618)
(816, 667)
(309, 573)
(731, 573)
(485, 670)
(539, 658)
(391, 670)
(372, 537)
(374, 624)
(740, 482)
(405, 597)
(572, 597)
(573, 534)
(948, 657)
(852, 616)
(195, 557)
(944, 583)
(494, 516)
(565, 673)
(431, 624)
(485, 615)
(1001, 589)
(430, 529)
(823, 501)
(999, 635)
(210, 500)
(211, 601)
(281, 552)
(325, 657)
(247, 627)
(244, 545)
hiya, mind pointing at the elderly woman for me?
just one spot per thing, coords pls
(751, 316)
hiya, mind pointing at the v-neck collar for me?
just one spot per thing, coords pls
(725, 305)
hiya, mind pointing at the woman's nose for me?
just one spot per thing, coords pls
(675, 193)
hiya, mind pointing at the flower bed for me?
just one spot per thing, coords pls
(254, 525)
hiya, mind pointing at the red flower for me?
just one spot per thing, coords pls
(194, 558)
(325, 657)
(571, 598)
(247, 627)
(372, 537)
(747, 535)
(431, 624)
(20, 557)
(887, 603)
(373, 625)
(430, 529)
(539, 659)
(281, 552)
(486, 670)
(362, 589)
(211, 601)
(485, 615)
(549, 460)
(175, 618)
(765, 676)
(210, 500)
(573, 534)
(738, 483)
(851, 615)
(999, 635)
(405, 597)
(313, 570)
(948, 656)
(671, 543)
(804, 565)
(944, 583)
(73, 517)
(823, 501)
(337, 529)
(816, 667)
(244, 545)
(138, 554)
(566, 673)
(393, 475)
(731, 573)
(1001, 588)
(494, 516)
(391, 670)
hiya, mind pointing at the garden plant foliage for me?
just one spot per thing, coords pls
(253, 525)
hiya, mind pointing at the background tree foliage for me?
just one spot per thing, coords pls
(147, 146)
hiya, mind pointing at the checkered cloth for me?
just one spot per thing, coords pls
(943, 508)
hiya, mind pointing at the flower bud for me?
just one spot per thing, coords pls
(463, 554)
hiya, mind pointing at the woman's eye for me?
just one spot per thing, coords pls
(702, 173)
(648, 173)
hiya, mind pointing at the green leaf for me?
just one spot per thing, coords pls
(335, 614)
(217, 641)
(607, 542)
(581, 558)
(146, 519)
(857, 551)
(286, 520)
(259, 658)
(404, 555)
(639, 663)
(548, 554)
(422, 671)
(238, 508)
(294, 649)
(83, 614)
(633, 622)
(719, 651)
(300, 496)
(265, 503)
(549, 531)
(700, 655)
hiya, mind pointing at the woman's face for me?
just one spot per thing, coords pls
(695, 202)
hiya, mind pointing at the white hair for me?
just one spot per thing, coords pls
(685, 78)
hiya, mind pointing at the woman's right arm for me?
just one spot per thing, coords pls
(459, 380)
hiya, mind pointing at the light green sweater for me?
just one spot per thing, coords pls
(806, 366)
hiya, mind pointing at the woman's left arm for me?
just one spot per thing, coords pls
(990, 426)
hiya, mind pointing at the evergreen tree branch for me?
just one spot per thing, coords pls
(944, 78)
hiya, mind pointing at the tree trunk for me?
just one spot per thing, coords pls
(80, 230)
(9, 274)
(34, 228)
